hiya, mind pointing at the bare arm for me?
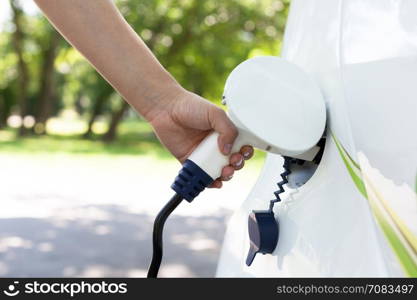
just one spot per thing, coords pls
(180, 118)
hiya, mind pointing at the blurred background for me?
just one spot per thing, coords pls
(82, 175)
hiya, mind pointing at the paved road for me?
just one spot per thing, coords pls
(92, 216)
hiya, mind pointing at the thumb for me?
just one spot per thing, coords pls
(228, 132)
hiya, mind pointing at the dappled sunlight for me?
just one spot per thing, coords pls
(102, 230)
(120, 246)
(66, 126)
(7, 243)
(181, 269)
(45, 247)
(203, 244)
(14, 121)
(136, 273)
(195, 241)
(95, 271)
(86, 216)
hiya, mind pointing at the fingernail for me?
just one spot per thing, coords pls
(239, 163)
(246, 154)
(227, 148)
(229, 177)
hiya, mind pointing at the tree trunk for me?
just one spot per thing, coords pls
(3, 112)
(97, 109)
(23, 74)
(6, 105)
(116, 117)
(47, 84)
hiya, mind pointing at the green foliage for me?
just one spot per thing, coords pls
(199, 42)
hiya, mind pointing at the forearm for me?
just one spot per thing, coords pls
(100, 33)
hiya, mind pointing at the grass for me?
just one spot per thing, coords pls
(135, 138)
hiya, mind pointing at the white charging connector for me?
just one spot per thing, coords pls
(277, 108)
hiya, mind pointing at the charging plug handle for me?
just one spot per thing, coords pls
(191, 181)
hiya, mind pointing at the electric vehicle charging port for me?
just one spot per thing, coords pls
(263, 225)
(303, 170)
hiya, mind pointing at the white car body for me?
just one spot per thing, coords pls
(357, 215)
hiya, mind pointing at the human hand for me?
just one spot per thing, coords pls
(183, 119)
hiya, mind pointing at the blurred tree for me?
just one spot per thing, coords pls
(200, 42)
(7, 80)
(23, 73)
(5, 105)
(102, 92)
(116, 117)
(49, 43)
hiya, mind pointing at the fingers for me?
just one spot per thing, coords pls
(236, 162)
(247, 152)
(216, 184)
(227, 173)
(221, 123)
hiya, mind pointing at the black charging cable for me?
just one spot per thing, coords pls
(191, 180)
(157, 238)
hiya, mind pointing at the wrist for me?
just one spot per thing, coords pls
(158, 99)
